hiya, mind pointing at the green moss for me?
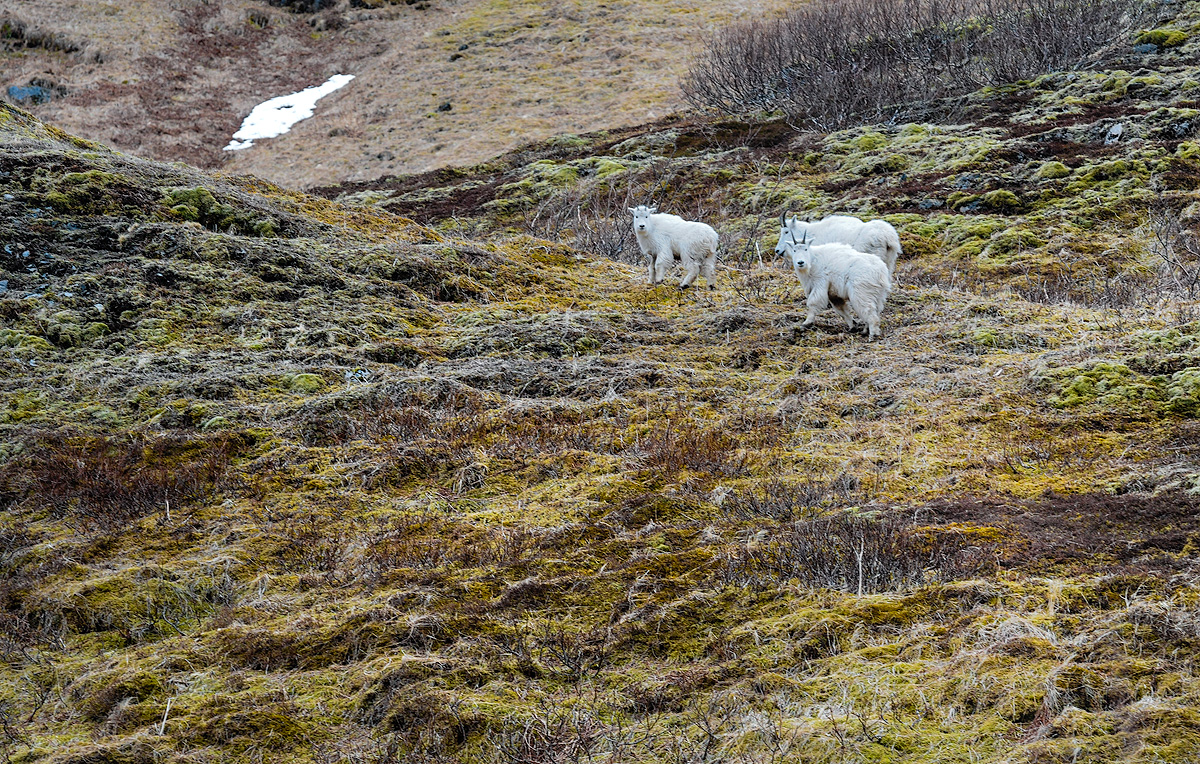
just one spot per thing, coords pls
(870, 141)
(198, 205)
(142, 604)
(605, 166)
(1114, 170)
(1013, 241)
(986, 336)
(305, 383)
(59, 201)
(541, 178)
(24, 405)
(1164, 37)
(555, 174)
(1001, 200)
(567, 141)
(1140, 83)
(65, 330)
(94, 331)
(184, 413)
(1188, 151)
(1174, 339)
(1183, 392)
(1105, 384)
(12, 338)
(103, 415)
(1052, 170)
(110, 691)
(1115, 83)
(94, 192)
(893, 163)
(956, 200)
(968, 235)
(157, 332)
(216, 423)
(273, 726)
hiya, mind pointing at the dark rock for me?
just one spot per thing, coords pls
(303, 6)
(37, 91)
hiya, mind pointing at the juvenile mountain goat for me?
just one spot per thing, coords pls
(875, 237)
(666, 238)
(838, 274)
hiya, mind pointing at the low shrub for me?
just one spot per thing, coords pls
(833, 64)
(106, 482)
(855, 553)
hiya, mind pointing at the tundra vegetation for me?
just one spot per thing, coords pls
(422, 470)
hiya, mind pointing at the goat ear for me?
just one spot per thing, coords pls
(631, 209)
(653, 210)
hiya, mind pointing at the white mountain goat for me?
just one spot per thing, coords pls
(666, 238)
(839, 275)
(875, 237)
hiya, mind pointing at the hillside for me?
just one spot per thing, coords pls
(420, 469)
(438, 82)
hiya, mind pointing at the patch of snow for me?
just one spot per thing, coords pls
(276, 116)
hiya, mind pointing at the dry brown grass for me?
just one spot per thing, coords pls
(173, 81)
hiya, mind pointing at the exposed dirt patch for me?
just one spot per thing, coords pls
(726, 135)
(1086, 532)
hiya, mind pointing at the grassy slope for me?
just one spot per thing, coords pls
(173, 81)
(293, 479)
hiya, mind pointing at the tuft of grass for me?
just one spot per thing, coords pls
(855, 553)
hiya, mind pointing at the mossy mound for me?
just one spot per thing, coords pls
(1104, 384)
(200, 206)
(1164, 37)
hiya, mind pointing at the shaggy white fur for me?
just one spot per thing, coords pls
(853, 282)
(875, 237)
(666, 238)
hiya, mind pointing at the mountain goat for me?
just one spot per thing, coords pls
(838, 274)
(666, 238)
(875, 237)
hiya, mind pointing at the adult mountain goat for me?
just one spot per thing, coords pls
(839, 275)
(875, 237)
(666, 238)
